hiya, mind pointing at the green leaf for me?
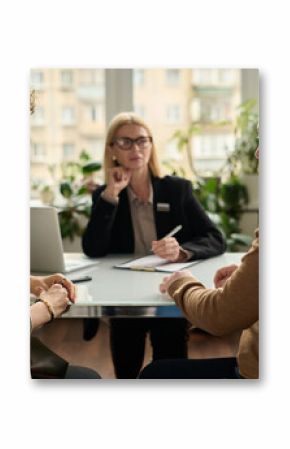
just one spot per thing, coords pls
(91, 167)
(66, 189)
(82, 191)
(85, 156)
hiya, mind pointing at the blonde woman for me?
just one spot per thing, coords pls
(132, 213)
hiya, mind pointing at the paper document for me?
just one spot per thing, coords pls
(155, 263)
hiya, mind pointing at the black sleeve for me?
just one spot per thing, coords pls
(206, 241)
(97, 236)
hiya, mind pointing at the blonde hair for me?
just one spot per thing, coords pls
(128, 118)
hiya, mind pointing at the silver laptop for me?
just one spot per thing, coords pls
(46, 250)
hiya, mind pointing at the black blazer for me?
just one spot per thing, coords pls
(110, 228)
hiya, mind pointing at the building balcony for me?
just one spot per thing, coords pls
(213, 90)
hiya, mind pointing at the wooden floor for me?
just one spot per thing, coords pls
(64, 336)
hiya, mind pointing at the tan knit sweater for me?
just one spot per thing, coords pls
(235, 307)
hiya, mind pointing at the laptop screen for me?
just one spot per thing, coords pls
(46, 250)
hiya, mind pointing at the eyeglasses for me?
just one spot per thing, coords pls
(126, 143)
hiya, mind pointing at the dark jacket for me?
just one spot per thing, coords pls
(110, 228)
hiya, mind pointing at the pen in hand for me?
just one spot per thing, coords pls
(173, 232)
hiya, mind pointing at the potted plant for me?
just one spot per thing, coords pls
(224, 200)
(71, 195)
(74, 198)
(246, 143)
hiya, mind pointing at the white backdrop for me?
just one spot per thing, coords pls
(138, 34)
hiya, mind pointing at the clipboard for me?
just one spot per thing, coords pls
(152, 263)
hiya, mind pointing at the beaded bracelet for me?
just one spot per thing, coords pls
(49, 308)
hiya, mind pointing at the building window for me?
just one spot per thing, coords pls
(38, 117)
(226, 76)
(91, 77)
(68, 116)
(210, 150)
(172, 77)
(94, 113)
(68, 151)
(37, 79)
(66, 77)
(203, 77)
(214, 110)
(38, 152)
(138, 77)
(173, 114)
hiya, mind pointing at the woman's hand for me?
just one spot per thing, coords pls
(168, 248)
(40, 283)
(119, 178)
(57, 297)
(167, 281)
(223, 274)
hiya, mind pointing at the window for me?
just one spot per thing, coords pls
(37, 79)
(173, 114)
(68, 151)
(203, 76)
(210, 150)
(38, 152)
(37, 118)
(91, 77)
(66, 78)
(226, 76)
(94, 113)
(138, 77)
(76, 115)
(68, 116)
(215, 109)
(172, 77)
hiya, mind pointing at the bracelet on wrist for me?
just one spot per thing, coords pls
(49, 308)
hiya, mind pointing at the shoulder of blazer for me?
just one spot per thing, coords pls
(171, 183)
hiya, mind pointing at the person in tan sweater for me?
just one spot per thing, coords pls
(230, 307)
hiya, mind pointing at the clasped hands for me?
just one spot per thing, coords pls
(57, 290)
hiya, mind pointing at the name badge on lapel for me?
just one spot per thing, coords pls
(163, 207)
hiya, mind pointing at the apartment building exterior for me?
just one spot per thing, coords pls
(70, 114)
